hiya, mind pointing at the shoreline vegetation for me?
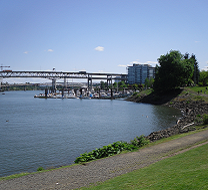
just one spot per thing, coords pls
(192, 101)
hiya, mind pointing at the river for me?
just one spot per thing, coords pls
(53, 132)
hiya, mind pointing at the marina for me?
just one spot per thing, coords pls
(83, 93)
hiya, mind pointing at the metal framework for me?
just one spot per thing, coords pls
(61, 75)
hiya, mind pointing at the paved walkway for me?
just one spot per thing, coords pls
(101, 170)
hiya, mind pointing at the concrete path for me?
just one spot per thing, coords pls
(104, 169)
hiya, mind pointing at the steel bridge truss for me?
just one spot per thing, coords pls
(62, 75)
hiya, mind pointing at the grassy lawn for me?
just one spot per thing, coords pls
(198, 88)
(188, 170)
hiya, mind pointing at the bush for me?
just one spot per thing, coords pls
(135, 93)
(40, 169)
(205, 119)
(140, 141)
(112, 149)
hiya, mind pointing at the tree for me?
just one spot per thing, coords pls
(122, 85)
(115, 84)
(203, 78)
(147, 82)
(151, 81)
(102, 85)
(174, 71)
(135, 86)
(193, 60)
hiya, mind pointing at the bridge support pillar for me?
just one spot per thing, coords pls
(53, 85)
(110, 83)
(89, 82)
(1, 80)
(65, 84)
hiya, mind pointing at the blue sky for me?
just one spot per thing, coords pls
(99, 35)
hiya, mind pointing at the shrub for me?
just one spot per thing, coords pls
(205, 119)
(140, 141)
(135, 93)
(112, 149)
(40, 169)
(138, 96)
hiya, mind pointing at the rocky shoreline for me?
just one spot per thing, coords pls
(192, 114)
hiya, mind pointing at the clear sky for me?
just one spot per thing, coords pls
(99, 35)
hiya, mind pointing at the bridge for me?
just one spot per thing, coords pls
(54, 75)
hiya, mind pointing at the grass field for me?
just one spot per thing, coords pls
(188, 170)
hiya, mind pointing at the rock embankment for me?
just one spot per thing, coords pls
(192, 115)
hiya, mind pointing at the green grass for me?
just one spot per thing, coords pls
(197, 88)
(31, 173)
(184, 171)
(146, 92)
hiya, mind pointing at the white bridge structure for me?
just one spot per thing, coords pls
(54, 75)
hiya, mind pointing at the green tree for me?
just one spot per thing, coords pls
(102, 85)
(135, 87)
(174, 71)
(193, 60)
(147, 82)
(115, 85)
(203, 77)
(122, 85)
(151, 81)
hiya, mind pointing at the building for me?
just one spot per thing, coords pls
(139, 72)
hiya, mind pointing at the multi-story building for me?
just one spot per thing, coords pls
(139, 72)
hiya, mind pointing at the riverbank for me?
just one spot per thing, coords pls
(98, 171)
(193, 106)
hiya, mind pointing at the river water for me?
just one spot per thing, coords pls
(53, 132)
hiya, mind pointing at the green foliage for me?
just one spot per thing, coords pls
(122, 85)
(140, 141)
(115, 85)
(135, 86)
(40, 169)
(135, 93)
(174, 71)
(149, 82)
(103, 85)
(192, 59)
(205, 119)
(203, 77)
(138, 96)
(112, 149)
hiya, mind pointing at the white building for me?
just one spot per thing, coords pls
(139, 72)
